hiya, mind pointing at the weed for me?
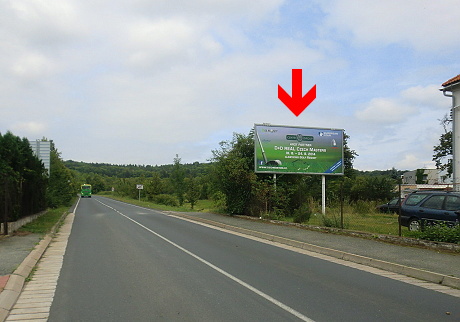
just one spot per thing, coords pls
(439, 232)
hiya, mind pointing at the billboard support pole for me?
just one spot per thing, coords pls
(274, 181)
(323, 194)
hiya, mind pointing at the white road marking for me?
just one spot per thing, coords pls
(230, 276)
(377, 271)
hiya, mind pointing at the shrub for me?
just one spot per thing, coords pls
(275, 214)
(363, 207)
(167, 200)
(439, 232)
(220, 201)
(302, 214)
(333, 220)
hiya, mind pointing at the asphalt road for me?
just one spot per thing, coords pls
(125, 263)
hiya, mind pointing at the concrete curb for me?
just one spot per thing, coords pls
(13, 287)
(428, 276)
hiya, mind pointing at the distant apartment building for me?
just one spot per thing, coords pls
(426, 176)
(42, 149)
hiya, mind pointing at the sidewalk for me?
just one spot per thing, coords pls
(426, 264)
(13, 250)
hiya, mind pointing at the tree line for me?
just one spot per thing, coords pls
(26, 187)
(230, 181)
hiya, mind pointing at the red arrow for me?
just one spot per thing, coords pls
(297, 103)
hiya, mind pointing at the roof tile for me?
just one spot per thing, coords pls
(452, 81)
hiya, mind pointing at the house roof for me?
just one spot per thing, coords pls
(451, 81)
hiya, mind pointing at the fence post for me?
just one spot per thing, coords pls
(399, 210)
(323, 194)
(5, 214)
(341, 204)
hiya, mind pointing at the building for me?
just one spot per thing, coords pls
(451, 88)
(426, 176)
(42, 149)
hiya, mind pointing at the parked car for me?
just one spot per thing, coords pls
(422, 208)
(390, 206)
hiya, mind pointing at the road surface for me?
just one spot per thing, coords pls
(126, 263)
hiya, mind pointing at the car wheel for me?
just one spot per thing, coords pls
(414, 225)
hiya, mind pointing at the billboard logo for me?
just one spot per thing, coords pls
(299, 137)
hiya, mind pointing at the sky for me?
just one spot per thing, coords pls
(141, 81)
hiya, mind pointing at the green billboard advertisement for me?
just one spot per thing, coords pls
(299, 150)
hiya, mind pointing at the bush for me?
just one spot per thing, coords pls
(363, 207)
(220, 201)
(275, 214)
(439, 232)
(167, 200)
(333, 220)
(302, 214)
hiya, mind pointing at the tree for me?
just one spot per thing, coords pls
(348, 157)
(442, 153)
(234, 171)
(22, 179)
(97, 182)
(154, 186)
(177, 177)
(370, 188)
(193, 191)
(61, 187)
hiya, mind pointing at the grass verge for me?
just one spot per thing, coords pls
(200, 206)
(44, 223)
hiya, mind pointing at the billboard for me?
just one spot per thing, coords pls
(298, 150)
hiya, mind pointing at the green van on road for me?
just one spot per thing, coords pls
(86, 190)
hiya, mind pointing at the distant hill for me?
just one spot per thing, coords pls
(133, 170)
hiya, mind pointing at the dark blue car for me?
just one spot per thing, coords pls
(422, 208)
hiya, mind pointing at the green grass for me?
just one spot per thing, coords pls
(372, 223)
(364, 219)
(44, 223)
(200, 206)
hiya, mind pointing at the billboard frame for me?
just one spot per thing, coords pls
(260, 150)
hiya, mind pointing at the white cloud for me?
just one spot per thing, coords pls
(411, 101)
(139, 81)
(428, 96)
(32, 66)
(423, 24)
(42, 23)
(384, 110)
(163, 42)
(30, 129)
(254, 10)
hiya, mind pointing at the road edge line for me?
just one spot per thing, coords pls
(437, 278)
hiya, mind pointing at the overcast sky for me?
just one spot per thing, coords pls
(139, 81)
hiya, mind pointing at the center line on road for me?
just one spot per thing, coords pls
(237, 280)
